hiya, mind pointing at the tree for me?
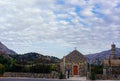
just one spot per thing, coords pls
(2, 68)
(52, 67)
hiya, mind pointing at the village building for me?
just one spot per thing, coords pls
(111, 66)
(74, 64)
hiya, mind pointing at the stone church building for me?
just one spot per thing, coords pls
(112, 65)
(74, 64)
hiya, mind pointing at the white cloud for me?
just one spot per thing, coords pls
(31, 22)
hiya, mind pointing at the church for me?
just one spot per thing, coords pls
(74, 64)
(111, 66)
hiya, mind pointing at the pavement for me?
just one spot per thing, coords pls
(77, 78)
(38, 79)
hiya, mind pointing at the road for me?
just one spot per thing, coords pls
(38, 79)
(32, 79)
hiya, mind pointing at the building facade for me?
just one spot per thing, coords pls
(111, 66)
(74, 64)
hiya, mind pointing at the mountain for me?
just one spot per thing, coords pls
(97, 58)
(33, 57)
(6, 50)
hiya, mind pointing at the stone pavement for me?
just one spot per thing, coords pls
(77, 78)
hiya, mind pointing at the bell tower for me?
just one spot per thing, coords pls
(113, 50)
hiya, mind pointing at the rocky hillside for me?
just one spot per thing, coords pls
(35, 58)
(6, 50)
(28, 57)
(97, 58)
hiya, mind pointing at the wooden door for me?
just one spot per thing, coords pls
(75, 70)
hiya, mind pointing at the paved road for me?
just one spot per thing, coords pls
(38, 79)
(32, 79)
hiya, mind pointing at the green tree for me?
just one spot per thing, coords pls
(52, 67)
(2, 68)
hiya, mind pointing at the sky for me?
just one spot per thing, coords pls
(56, 27)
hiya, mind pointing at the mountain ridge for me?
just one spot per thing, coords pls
(6, 50)
(35, 57)
(94, 58)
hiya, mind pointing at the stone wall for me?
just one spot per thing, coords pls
(107, 77)
(31, 75)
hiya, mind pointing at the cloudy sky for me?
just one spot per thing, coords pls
(56, 27)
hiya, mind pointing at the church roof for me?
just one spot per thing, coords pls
(75, 56)
(75, 53)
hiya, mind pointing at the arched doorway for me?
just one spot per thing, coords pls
(75, 70)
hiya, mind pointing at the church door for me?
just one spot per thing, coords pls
(75, 70)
